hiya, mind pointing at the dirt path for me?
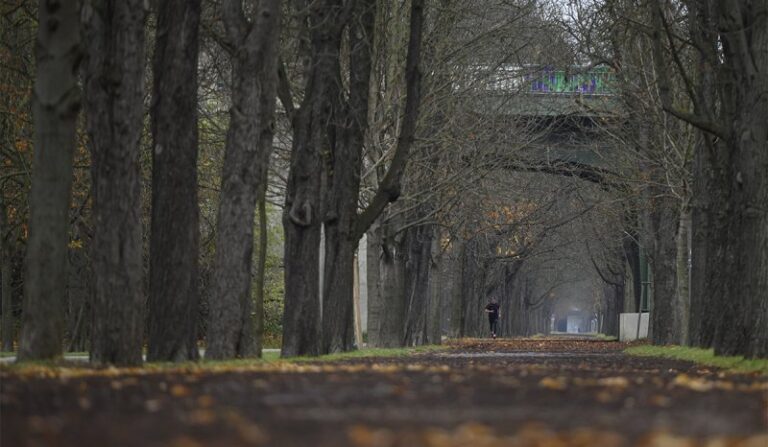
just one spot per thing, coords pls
(478, 393)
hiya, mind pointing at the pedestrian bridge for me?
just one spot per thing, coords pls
(543, 91)
(567, 118)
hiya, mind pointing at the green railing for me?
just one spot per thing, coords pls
(595, 81)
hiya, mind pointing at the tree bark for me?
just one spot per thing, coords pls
(417, 272)
(5, 278)
(611, 316)
(390, 186)
(336, 326)
(114, 84)
(375, 305)
(682, 270)
(732, 105)
(254, 46)
(392, 274)
(632, 254)
(664, 224)
(456, 282)
(706, 199)
(261, 266)
(174, 240)
(703, 250)
(337, 127)
(740, 305)
(743, 325)
(346, 138)
(436, 291)
(56, 102)
(79, 293)
(302, 213)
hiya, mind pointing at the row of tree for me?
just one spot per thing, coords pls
(385, 128)
(695, 74)
(683, 175)
(109, 47)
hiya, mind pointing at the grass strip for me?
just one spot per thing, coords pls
(702, 357)
(268, 358)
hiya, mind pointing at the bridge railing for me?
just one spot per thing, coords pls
(546, 80)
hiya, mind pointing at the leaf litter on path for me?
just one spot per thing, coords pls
(574, 393)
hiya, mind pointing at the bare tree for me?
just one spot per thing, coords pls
(114, 86)
(343, 137)
(173, 276)
(252, 40)
(302, 219)
(731, 39)
(18, 29)
(5, 276)
(56, 102)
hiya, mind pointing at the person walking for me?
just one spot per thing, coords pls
(493, 309)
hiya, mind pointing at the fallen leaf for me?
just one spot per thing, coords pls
(205, 401)
(755, 441)
(693, 383)
(152, 405)
(618, 382)
(179, 390)
(84, 403)
(660, 401)
(664, 439)
(184, 441)
(364, 436)
(202, 417)
(553, 383)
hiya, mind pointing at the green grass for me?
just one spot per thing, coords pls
(361, 353)
(604, 337)
(369, 352)
(6, 354)
(268, 357)
(702, 357)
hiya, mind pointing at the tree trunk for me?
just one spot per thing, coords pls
(608, 322)
(5, 278)
(706, 246)
(301, 223)
(301, 318)
(468, 277)
(709, 213)
(375, 305)
(436, 291)
(474, 275)
(231, 329)
(455, 271)
(683, 305)
(174, 241)
(742, 327)
(664, 222)
(79, 292)
(351, 122)
(345, 178)
(338, 307)
(302, 217)
(632, 253)
(261, 265)
(417, 271)
(114, 82)
(392, 275)
(701, 328)
(55, 102)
